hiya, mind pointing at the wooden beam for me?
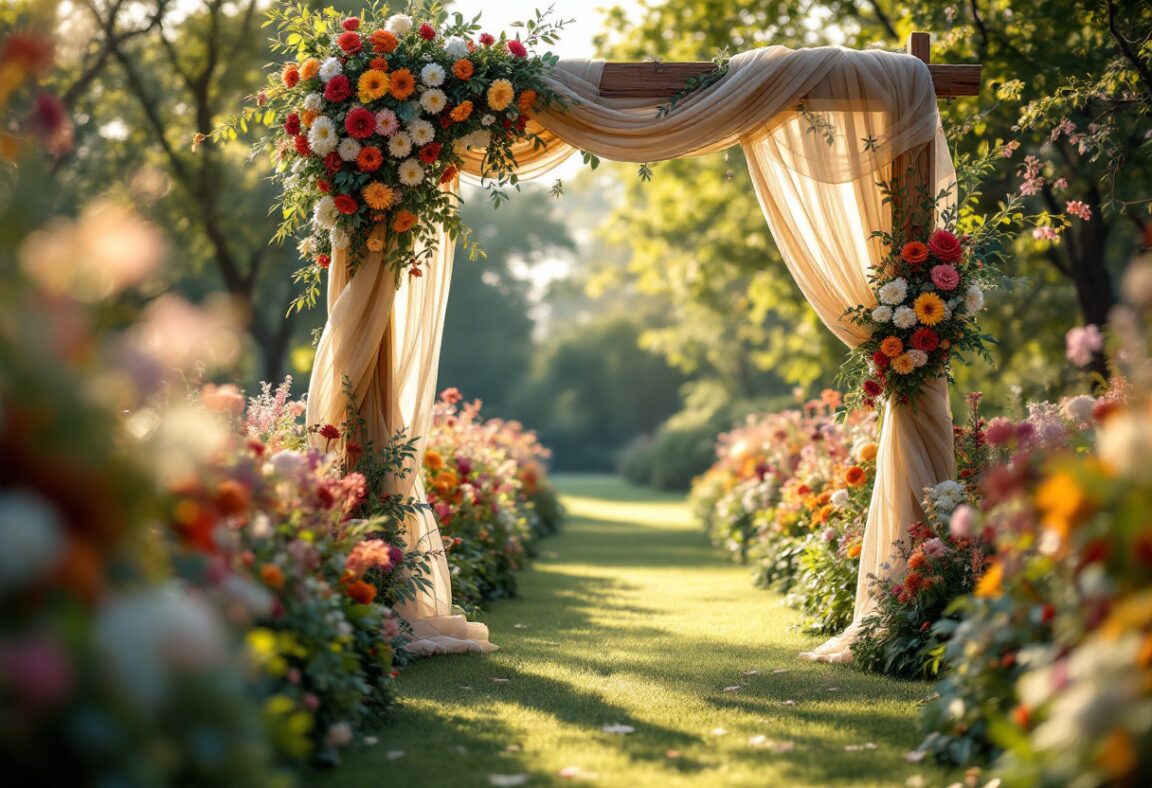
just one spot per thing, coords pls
(664, 80)
(915, 170)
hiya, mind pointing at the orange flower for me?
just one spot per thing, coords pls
(902, 364)
(362, 592)
(892, 347)
(462, 68)
(929, 308)
(916, 560)
(369, 159)
(854, 550)
(914, 253)
(271, 576)
(403, 221)
(290, 75)
(378, 196)
(500, 94)
(372, 85)
(991, 583)
(433, 460)
(378, 63)
(232, 497)
(855, 476)
(867, 452)
(307, 117)
(310, 69)
(526, 100)
(461, 111)
(402, 84)
(383, 41)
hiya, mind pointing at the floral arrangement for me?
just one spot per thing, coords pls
(373, 116)
(487, 483)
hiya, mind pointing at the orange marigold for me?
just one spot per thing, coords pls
(369, 159)
(854, 550)
(403, 221)
(892, 347)
(290, 75)
(433, 460)
(402, 84)
(526, 100)
(362, 592)
(378, 196)
(383, 41)
(914, 253)
(855, 476)
(463, 69)
(310, 69)
(307, 116)
(378, 63)
(272, 576)
(461, 112)
(500, 94)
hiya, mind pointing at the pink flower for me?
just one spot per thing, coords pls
(226, 399)
(1033, 181)
(934, 547)
(945, 277)
(1083, 342)
(963, 522)
(999, 431)
(389, 628)
(1079, 209)
(387, 123)
(310, 701)
(369, 554)
(1046, 234)
(339, 735)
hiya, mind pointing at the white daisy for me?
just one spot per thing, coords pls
(918, 357)
(400, 146)
(325, 215)
(456, 47)
(322, 137)
(432, 75)
(433, 101)
(330, 68)
(487, 120)
(411, 173)
(314, 101)
(421, 131)
(339, 238)
(904, 317)
(386, 123)
(348, 149)
(974, 300)
(399, 23)
(894, 292)
(882, 314)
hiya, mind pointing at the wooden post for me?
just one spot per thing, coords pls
(914, 170)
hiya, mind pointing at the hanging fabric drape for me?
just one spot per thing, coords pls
(819, 129)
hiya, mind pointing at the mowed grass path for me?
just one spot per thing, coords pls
(630, 618)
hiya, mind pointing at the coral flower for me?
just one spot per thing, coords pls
(433, 460)
(345, 204)
(350, 42)
(362, 592)
(500, 94)
(272, 576)
(517, 49)
(461, 112)
(369, 159)
(360, 123)
(945, 277)
(929, 308)
(892, 347)
(854, 550)
(402, 84)
(903, 364)
(291, 75)
(855, 476)
(403, 221)
(310, 69)
(372, 85)
(463, 69)
(379, 63)
(383, 41)
(378, 196)
(914, 253)
(526, 100)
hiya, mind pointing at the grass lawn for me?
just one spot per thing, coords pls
(629, 618)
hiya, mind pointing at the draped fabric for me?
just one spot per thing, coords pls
(819, 129)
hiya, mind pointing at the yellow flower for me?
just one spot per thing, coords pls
(929, 308)
(500, 94)
(378, 196)
(1063, 502)
(991, 583)
(373, 85)
(902, 364)
(867, 452)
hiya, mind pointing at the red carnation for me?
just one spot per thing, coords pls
(351, 23)
(945, 246)
(333, 163)
(323, 261)
(517, 49)
(448, 175)
(350, 42)
(430, 152)
(880, 359)
(925, 339)
(360, 123)
(323, 186)
(345, 204)
(427, 32)
(292, 124)
(487, 39)
(302, 146)
(872, 388)
(330, 432)
(338, 88)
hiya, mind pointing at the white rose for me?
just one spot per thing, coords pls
(330, 68)
(904, 317)
(432, 75)
(882, 313)
(399, 23)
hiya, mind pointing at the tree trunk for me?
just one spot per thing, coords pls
(1093, 281)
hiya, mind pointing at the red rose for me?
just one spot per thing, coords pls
(323, 186)
(338, 88)
(323, 261)
(945, 246)
(302, 146)
(872, 388)
(880, 359)
(292, 124)
(925, 339)
(345, 204)
(517, 49)
(430, 152)
(487, 39)
(351, 23)
(360, 123)
(350, 42)
(333, 163)
(427, 32)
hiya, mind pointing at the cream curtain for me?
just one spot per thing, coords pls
(819, 128)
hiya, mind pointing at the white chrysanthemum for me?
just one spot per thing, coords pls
(973, 300)
(322, 137)
(456, 47)
(894, 292)
(400, 146)
(340, 238)
(918, 357)
(411, 173)
(325, 215)
(840, 499)
(1079, 409)
(477, 139)
(433, 101)
(421, 131)
(330, 68)
(882, 313)
(348, 149)
(432, 75)
(904, 317)
(314, 101)
(399, 23)
(487, 120)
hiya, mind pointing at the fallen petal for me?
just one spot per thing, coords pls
(394, 755)
(370, 740)
(733, 688)
(507, 779)
(719, 732)
(752, 672)
(618, 728)
(915, 756)
(499, 681)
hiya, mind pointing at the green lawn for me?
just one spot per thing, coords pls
(630, 618)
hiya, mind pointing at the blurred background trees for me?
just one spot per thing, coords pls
(642, 314)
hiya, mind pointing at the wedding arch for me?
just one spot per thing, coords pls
(820, 129)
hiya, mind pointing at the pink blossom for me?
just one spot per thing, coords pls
(388, 628)
(310, 701)
(387, 123)
(1033, 181)
(1046, 233)
(1079, 209)
(1083, 342)
(1009, 148)
(999, 431)
(1060, 184)
(226, 398)
(1065, 126)
(934, 548)
(369, 554)
(963, 522)
(945, 277)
